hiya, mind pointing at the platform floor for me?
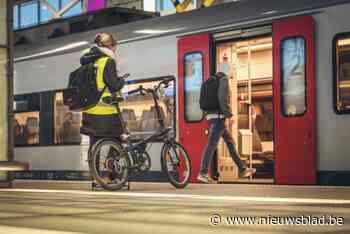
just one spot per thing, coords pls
(70, 207)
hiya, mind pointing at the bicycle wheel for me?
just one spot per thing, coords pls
(177, 164)
(109, 165)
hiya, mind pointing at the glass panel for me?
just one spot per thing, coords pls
(29, 13)
(193, 79)
(293, 77)
(3, 23)
(140, 113)
(76, 10)
(15, 17)
(45, 14)
(27, 128)
(67, 123)
(167, 5)
(343, 74)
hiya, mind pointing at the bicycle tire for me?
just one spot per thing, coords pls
(172, 176)
(123, 164)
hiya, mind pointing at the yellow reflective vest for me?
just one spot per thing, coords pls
(102, 108)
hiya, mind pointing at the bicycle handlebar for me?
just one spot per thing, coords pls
(141, 89)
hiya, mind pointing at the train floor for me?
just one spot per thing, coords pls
(71, 207)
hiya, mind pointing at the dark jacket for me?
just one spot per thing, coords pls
(111, 79)
(223, 95)
(103, 125)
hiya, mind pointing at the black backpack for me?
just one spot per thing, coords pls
(209, 100)
(82, 92)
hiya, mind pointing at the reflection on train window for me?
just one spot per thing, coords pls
(343, 75)
(293, 77)
(140, 113)
(26, 128)
(67, 123)
(193, 79)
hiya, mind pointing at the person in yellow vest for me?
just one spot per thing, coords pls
(103, 120)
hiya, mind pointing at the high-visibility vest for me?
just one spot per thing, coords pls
(102, 108)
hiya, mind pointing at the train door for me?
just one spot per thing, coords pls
(248, 64)
(194, 66)
(293, 59)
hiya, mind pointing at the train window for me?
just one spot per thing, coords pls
(27, 128)
(67, 123)
(193, 79)
(139, 111)
(293, 80)
(342, 73)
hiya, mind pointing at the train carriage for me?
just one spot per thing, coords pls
(288, 67)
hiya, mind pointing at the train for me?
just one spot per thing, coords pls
(289, 76)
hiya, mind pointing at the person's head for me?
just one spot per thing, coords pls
(106, 40)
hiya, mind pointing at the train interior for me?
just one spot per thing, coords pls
(248, 64)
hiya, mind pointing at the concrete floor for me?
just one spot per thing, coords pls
(61, 207)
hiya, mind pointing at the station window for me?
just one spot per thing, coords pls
(140, 113)
(164, 5)
(167, 5)
(29, 15)
(76, 10)
(15, 17)
(342, 73)
(293, 80)
(67, 123)
(193, 79)
(27, 128)
(45, 13)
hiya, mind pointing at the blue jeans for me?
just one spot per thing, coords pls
(217, 130)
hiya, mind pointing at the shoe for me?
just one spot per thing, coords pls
(203, 178)
(247, 172)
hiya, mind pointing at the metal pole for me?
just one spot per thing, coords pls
(250, 105)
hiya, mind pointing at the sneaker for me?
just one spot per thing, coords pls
(247, 172)
(203, 178)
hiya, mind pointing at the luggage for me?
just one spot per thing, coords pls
(209, 101)
(82, 92)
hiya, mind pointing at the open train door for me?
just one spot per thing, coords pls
(293, 84)
(193, 69)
